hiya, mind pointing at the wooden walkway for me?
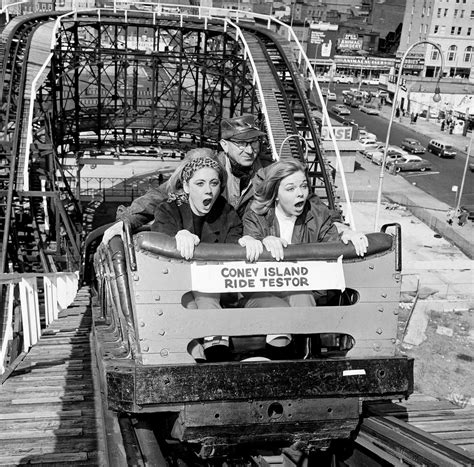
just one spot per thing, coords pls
(50, 407)
(441, 419)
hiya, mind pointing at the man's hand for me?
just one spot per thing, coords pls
(185, 243)
(253, 247)
(275, 246)
(358, 239)
(112, 231)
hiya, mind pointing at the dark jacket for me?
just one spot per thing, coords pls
(313, 225)
(142, 209)
(221, 224)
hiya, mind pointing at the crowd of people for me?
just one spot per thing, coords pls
(235, 196)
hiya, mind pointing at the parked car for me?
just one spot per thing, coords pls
(372, 81)
(392, 155)
(365, 134)
(441, 149)
(471, 164)
(340, 109)
(413, 146)
(369, 153)
(369, 109)
(332, 96)
(368, 143)
(409, 163)
(343, 79)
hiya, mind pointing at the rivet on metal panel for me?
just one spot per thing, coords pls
(377, 347)
(384, 295)
(160, 312)
(135, 277)
(157, 298)
(142, 324)
(161, 332)
(379, 330)
(381, 309)
(145, 348)
(164, 352)
(394, 341)
(395, 311)
(166, 271)
(398, 277)
(137, 296)
(371, 266)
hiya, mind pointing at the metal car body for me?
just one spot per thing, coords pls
(369, 109)
(441, 149)
(408, 163)
(340, 109)
(413, 146)
(392, 155)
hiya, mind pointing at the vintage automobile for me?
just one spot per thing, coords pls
(413, 146)
(369, 109)
(340, 109)
(393, 154)
(408, 163)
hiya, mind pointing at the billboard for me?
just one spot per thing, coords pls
(322, 39)
(349, 42)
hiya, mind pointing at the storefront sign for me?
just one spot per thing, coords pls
(366, 62)
(341, 133)
(350, 42)
(264, 277)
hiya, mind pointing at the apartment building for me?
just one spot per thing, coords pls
(448, 23)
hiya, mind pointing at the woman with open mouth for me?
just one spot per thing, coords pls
(196, 212)
(285, 212)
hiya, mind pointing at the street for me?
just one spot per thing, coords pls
(445, 174)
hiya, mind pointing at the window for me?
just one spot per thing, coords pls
(462, 14)
(469, 31)
(434, 54)
(453, 29)
(435, 30)
(459, 30)
(445, 12)
(428, 12)
(472, 13)
(443, 30)
(452, 53)
(439, 13)
(455, 13)
(468, 53)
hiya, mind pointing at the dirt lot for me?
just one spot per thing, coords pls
(444, 361)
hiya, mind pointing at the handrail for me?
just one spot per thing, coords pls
(213, 13)
(59, 290)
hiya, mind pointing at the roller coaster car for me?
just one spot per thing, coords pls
(143, 334)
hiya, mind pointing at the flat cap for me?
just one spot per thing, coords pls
(243, 128)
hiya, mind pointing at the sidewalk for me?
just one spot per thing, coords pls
(430, 128)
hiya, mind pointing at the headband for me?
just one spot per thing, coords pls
(193, 166)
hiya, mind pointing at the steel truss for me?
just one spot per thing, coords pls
(111, 90)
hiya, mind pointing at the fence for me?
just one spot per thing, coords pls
(29, 303)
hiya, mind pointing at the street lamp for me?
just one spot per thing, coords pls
(436, 98)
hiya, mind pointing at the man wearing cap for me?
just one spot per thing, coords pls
(240, 142)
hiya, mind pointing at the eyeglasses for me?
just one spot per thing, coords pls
(244, 144)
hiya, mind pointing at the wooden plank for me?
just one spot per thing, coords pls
(48, 400)
(44, 414)
(443, 426)
(38, 434)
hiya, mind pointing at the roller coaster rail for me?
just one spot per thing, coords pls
(307, 71)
